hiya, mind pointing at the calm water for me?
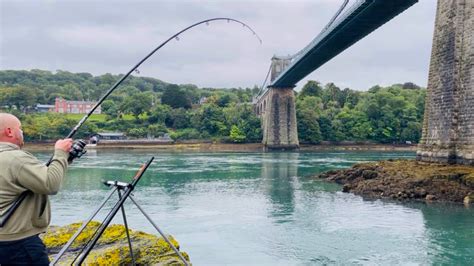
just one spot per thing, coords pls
(263, 209)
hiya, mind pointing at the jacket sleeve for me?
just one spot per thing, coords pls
(42, 179)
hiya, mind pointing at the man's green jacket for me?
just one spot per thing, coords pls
(19, 172)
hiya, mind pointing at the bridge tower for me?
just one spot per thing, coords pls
(277, 110)
(448, 127)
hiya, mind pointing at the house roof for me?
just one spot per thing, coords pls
(44, 106)
(111, 134)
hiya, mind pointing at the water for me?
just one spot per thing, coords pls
(264, 209)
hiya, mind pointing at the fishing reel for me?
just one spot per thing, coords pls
(78, 149)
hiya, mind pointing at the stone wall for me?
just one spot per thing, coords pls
(448, 127)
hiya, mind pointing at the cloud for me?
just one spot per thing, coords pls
(111, 36)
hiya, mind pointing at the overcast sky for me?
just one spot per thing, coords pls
(111, 36)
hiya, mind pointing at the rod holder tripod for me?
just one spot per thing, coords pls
(124, 191)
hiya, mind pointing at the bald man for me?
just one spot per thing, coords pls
(19, 172)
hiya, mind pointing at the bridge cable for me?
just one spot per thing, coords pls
(336, 15)
(331, 21)
(265, 81)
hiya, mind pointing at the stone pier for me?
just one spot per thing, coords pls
(448, 127)
(279, 119)
(276, 108)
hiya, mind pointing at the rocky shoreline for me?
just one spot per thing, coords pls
(112, 248)
(407, 180)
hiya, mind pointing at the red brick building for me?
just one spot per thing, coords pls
(74, 107)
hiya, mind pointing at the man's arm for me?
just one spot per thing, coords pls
(42, 179)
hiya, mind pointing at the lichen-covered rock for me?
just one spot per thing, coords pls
(407, 180)
(112, 247)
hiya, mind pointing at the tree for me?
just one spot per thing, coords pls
(412, 132)
(179, 119)
(136, 104)
(137, 132)
(353, 124)
(236, 135)
(326, 128)
(20, 97)
(110, 108)
(332, 93)
(243, 117)
(157, 130)
(211, 119)
(160, 114)
(311, 88)
(307, 113)
(175, 97)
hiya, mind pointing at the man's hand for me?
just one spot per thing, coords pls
(63, 144)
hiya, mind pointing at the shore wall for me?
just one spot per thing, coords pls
(246, 147)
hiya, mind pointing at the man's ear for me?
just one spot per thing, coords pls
(8, 132)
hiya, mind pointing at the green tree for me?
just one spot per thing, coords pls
(136, 104)
(160, 113)
(156, 130)
(311, 88)
(19, 96)
(175, 97)
(326, 128)
(179, 119)
(137, 132)
(211, 119)
(110, 108)
(332, 93)
(236, 135)
(307, 114)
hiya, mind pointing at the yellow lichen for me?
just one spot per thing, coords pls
(59, 236)
(112, 247)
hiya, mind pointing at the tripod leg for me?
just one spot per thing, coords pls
(161, 233)
(126, 230)
(79, 231)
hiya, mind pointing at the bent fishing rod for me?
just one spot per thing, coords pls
(83, 120)
(4, 217)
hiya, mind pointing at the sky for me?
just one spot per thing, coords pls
(112, 36)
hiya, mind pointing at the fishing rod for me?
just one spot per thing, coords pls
(76, 146)
(206, 21)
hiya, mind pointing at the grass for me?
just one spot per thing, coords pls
(92, 118)
(97, 117)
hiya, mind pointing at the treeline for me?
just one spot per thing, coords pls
(144, 107)
(183, 111)
(392, 114)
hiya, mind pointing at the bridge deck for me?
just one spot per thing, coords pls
(360, 20)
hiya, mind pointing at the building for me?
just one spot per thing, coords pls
(44, 108)
(111, 136)
(203, 100)
(74, 107)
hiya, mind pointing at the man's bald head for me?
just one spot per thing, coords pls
(10, 129)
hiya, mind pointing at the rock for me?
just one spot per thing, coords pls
(406, 180)
(430, 197)
(420, 192)
(112, 248)
(369, 174)
(469, 199)
(346, 188)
